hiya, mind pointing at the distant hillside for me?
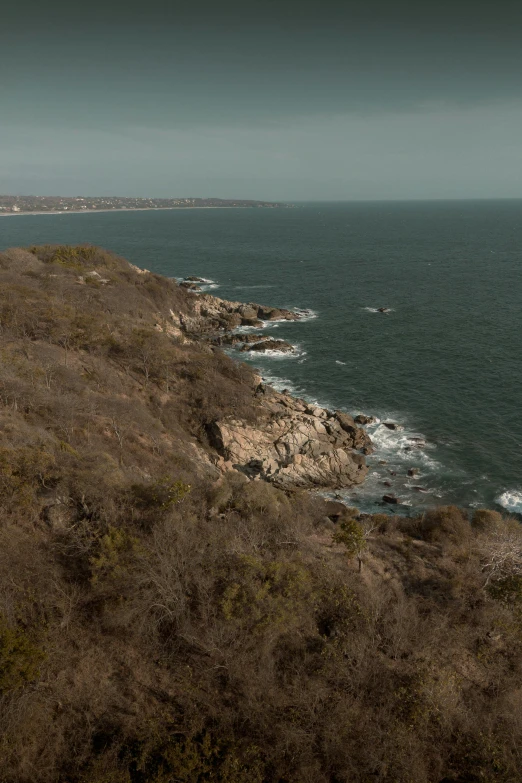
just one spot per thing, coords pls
(174, 606)
(23, 204)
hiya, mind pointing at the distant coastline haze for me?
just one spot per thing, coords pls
(281, 102)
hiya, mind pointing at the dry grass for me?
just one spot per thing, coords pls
(158, 623)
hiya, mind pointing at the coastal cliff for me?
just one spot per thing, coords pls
(292, 443)
(177, 605)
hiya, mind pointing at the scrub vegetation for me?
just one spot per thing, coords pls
(162, 622)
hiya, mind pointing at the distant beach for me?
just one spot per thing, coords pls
(133, 209)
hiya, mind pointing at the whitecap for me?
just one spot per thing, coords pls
(376, 310)
(338, 362)
(305, 314)
(297, 353)
(511, 500)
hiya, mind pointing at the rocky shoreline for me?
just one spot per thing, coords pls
(293, 444)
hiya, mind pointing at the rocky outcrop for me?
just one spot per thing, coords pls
(212, 314)
(294, 444)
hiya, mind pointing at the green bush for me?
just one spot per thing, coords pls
(351, 535)
(161, 494)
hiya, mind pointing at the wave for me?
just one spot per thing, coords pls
(403, 444)
(305, 314)
(377, 310)
(297, 353)
(204, 283)
(511, 500)
(338, 362)
(280, 384)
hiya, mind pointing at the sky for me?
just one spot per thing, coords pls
(270, 100)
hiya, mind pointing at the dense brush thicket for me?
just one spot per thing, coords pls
(159, 623)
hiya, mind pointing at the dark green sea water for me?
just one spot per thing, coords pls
(446, 362)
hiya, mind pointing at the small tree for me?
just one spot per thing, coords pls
(352, 535)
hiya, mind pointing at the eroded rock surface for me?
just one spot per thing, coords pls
(294, 444)
(212, 314)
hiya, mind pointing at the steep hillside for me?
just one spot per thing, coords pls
(176, 605)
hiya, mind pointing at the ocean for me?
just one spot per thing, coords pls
(444, 363)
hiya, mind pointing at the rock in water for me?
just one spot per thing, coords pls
(390, 499)
(362, 419)
(269, 345)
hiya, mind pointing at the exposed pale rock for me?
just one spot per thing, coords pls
(292, 447)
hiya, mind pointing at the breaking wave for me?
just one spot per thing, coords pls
(511, 500)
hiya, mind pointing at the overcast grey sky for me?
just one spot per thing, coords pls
(286, 100)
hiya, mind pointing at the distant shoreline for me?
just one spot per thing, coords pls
(119, 209)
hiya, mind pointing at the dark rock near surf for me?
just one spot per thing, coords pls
(194, 279)
(362, 419)
(269, 345)
(390, 499)
(190, 286)
(391, 425)
(276, 314)
(413, 472)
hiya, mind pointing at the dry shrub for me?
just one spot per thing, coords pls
(445, 524)
(148, 634)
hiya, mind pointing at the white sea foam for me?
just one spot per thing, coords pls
(305, 314)
(264, 325)
(511, 500)
(204, 283)
(376, 310)
(338, 362)
(297, 353)
(280, 383)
